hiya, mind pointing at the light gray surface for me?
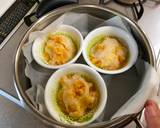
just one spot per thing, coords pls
(11, 115)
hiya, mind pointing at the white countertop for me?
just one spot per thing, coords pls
(150, 24)
(4, 5)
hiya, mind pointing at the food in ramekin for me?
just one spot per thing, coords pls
(110, 50)
(77, 97)
(109, 53)
(59, 49)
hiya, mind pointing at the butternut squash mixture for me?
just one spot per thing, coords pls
(76, 96)
(59, 49)
(110, 54)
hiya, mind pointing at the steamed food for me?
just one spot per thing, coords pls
(58, 49)
(77, 96)
(109, 54)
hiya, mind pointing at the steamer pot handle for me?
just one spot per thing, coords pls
(44, 7)
(138, 123)
(11, 98)
(139, 13)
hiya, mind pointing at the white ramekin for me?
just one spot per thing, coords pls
(39, 42)
(52, 85)
(121, 34)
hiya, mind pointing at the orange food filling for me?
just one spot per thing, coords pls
(58, 49)
(77, 96)
(110, 54)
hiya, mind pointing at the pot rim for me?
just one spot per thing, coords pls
(117, 122)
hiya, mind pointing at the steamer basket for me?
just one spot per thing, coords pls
(21, 82)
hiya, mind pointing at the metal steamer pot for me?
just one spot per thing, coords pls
(21, 82)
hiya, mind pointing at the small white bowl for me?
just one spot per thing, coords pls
(121, 34)
(52, 85)
(39, 42)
